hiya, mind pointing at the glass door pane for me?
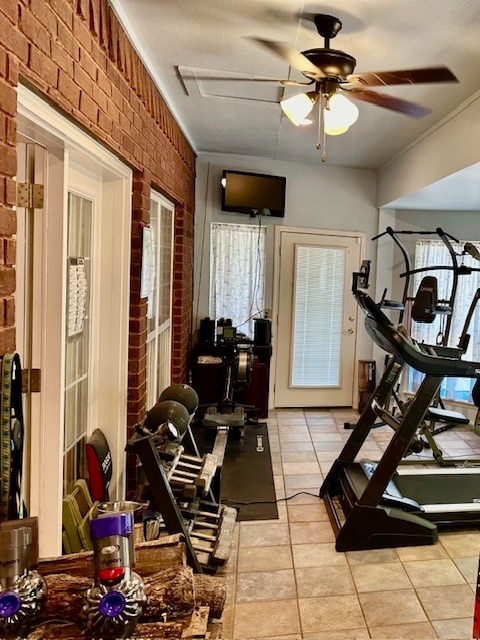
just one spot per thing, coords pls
(159, 301)
(78, 332)
(317, 316)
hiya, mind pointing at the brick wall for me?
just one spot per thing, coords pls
(76, 55)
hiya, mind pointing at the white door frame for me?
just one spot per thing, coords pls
(68, 144)
(279, 231)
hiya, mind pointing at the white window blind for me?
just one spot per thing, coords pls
(317, 316)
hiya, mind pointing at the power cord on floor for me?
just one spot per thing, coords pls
(307, 493)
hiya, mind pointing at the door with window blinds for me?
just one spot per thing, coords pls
(317, 317)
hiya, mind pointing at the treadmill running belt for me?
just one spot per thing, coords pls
(438, 489)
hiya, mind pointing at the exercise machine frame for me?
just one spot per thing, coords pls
(365, 509)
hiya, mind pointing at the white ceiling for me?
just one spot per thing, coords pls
(180, 40)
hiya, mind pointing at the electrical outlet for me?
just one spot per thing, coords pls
(267, 314)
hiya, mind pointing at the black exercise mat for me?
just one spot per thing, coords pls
(247, 476)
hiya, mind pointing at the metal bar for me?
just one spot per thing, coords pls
(162, 494)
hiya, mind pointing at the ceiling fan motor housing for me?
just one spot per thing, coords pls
(333, 63)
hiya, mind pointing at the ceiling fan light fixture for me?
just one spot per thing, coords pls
(298, 107)
(339, 115)
(335, 131)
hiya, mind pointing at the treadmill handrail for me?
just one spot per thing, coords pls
(395, 340)
(402, 345)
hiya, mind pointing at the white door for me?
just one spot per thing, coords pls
(317, 319)
(72, 307)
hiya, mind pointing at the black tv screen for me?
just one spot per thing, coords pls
(253, 193)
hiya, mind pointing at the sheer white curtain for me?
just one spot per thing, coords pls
(434, 253)
(237, 273)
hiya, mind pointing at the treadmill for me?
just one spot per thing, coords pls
(373, 505)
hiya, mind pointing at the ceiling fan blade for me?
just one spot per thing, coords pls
(407, 76)
(288, 53)
(390, 102)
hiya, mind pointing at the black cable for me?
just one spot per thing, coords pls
(256, 282)
(307, 493)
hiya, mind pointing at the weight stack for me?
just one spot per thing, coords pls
(366, 382)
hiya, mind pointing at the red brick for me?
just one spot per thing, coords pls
(63, 11)
(83, 9)
(104, 122)
(10, 192)
(34, 31)
(45, 14)
(68, 89)
(94, 23)
(12, 69)
(83, 80)
(104, 13)
(3, 64)
(8, 98)
(7, 281)
(88, 65)
(82, 35)
(43, 66)
(9, 9)
(7, 339)
(8, 316)
(8, 160)
(8, 222)
(68, 42)
(12, 40)
(59, 58)
(88, 107)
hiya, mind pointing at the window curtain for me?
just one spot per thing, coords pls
(433, 253)
(237, 268)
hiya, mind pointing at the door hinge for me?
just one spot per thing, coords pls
(31, 380)
(30, 195)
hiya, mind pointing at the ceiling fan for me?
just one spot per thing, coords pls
(331, 74)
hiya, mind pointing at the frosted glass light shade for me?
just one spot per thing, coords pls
(297, 107)
(340, 115)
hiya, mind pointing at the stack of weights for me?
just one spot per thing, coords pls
(182, 393)
(114, 603)
(22, 589)
(168, 421)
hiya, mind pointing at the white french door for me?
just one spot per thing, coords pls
(158, 291)
(73, 265)
(317, 319)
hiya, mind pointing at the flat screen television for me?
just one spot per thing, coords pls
(253, 193)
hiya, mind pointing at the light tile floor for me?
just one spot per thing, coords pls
(285, 580)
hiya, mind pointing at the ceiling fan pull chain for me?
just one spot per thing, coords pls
(321, 138)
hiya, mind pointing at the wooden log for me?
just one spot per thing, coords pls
(150, 557)
(160, 630)
(64, 599)
(172, 593)
(211, 592)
